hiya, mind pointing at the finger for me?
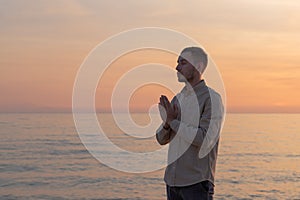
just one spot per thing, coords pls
(176, 106)
(169, 107)
(161, 104)
(169, 104)
(161, 101)
(176, 109)
(166, 99)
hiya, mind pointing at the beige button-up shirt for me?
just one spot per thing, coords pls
(193, 137)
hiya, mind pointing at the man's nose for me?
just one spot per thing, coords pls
(178, 68)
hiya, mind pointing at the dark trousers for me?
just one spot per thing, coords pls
(199, 191)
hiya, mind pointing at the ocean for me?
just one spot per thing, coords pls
(42, 157)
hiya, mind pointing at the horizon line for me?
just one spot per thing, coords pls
(135, 112)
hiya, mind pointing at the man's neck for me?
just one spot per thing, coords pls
(193, 83)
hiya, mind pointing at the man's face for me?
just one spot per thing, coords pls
(185, 70)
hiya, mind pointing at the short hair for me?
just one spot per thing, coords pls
(198, 54)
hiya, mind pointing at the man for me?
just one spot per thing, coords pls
(191, 125)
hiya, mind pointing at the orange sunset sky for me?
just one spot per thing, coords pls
(255, 44)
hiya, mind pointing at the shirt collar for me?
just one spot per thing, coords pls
(199, 87)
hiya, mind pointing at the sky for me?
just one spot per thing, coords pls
(255, 45)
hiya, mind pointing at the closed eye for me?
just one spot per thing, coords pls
(182, 62)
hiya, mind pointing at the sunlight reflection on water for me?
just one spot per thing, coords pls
(42, 157)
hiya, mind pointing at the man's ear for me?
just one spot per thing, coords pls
(200, 67)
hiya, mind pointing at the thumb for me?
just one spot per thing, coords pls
(175, 108)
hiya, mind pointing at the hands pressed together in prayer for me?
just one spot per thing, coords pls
(168, 112)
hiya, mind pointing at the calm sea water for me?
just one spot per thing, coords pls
(42, 157)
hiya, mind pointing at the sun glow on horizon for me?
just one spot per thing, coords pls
(43, 45)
